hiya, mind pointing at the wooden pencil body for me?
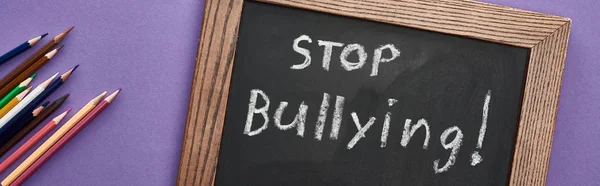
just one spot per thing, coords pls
(5, 89)
(11, 104)
(27, 145)
(25, 64)
(52, 140)
(60, 143)
(31, 125)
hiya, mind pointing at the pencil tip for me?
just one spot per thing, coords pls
(53, 52)
(68, 30)
(64, 97)
(68, 110)
(44, 35)
(61, 99)
(62, 35)
(33, 75)
(60, 117)
(47, 82)
(75, 67)
(112, 96)
(45, 103)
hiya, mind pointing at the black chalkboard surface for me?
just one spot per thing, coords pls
(414, 107)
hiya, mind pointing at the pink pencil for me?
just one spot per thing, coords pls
(64, 139)
(31, 141)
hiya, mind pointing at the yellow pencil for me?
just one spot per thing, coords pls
(53, 139)
(13, 102)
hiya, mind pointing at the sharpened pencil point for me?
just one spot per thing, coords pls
(39, 109)
(66, 75)
(112, 96)
(21, 95)
(64, 97)
(62, 35)
(33, 75)
(45, 103)
(25, 82)
(44, 35)
(53, 52)
(47, 82)
(61, 99)
(60, 117)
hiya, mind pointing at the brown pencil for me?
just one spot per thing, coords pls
(34, 123)
(31, 60)
(35, 67)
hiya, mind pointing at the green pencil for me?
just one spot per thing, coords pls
(14, 92)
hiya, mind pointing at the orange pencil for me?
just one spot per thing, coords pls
(32, 141)
(65, 139)
(52, 139)
(13, 102)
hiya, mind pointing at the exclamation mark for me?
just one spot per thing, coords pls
(475, 157)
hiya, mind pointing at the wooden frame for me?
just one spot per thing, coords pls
(545, 35)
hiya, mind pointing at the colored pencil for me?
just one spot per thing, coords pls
(12, 103)
(31, 60)
(17, 124)
(34, 123)
(21, 48)
(29, 116)
(16, 90)
(36, 66)
(34, 93)
(53, 86)
(56, 83)
(53, 139)
(65, 139)
(32, 141)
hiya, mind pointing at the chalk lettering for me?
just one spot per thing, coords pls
(305, 52)
(454, 145)
(322, 117)
(337, 117)
(362, 57)
(378, 59)
(361, 129)
(328, 48)
(299, 120)
(386, 123)
(476, 157)
(406, 136)
(252, 110)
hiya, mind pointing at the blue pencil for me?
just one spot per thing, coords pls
(20, 123)
(16, 51)
(13, 125)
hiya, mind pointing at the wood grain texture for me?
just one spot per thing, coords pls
(546, 36)
(465, 18)
(539, 109)
(210, 88)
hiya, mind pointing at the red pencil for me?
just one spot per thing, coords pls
(31, 141)
(68, 136)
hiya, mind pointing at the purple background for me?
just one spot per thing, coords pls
(148, 48)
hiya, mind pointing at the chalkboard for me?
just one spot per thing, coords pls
(434, 82)
(316, 98)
